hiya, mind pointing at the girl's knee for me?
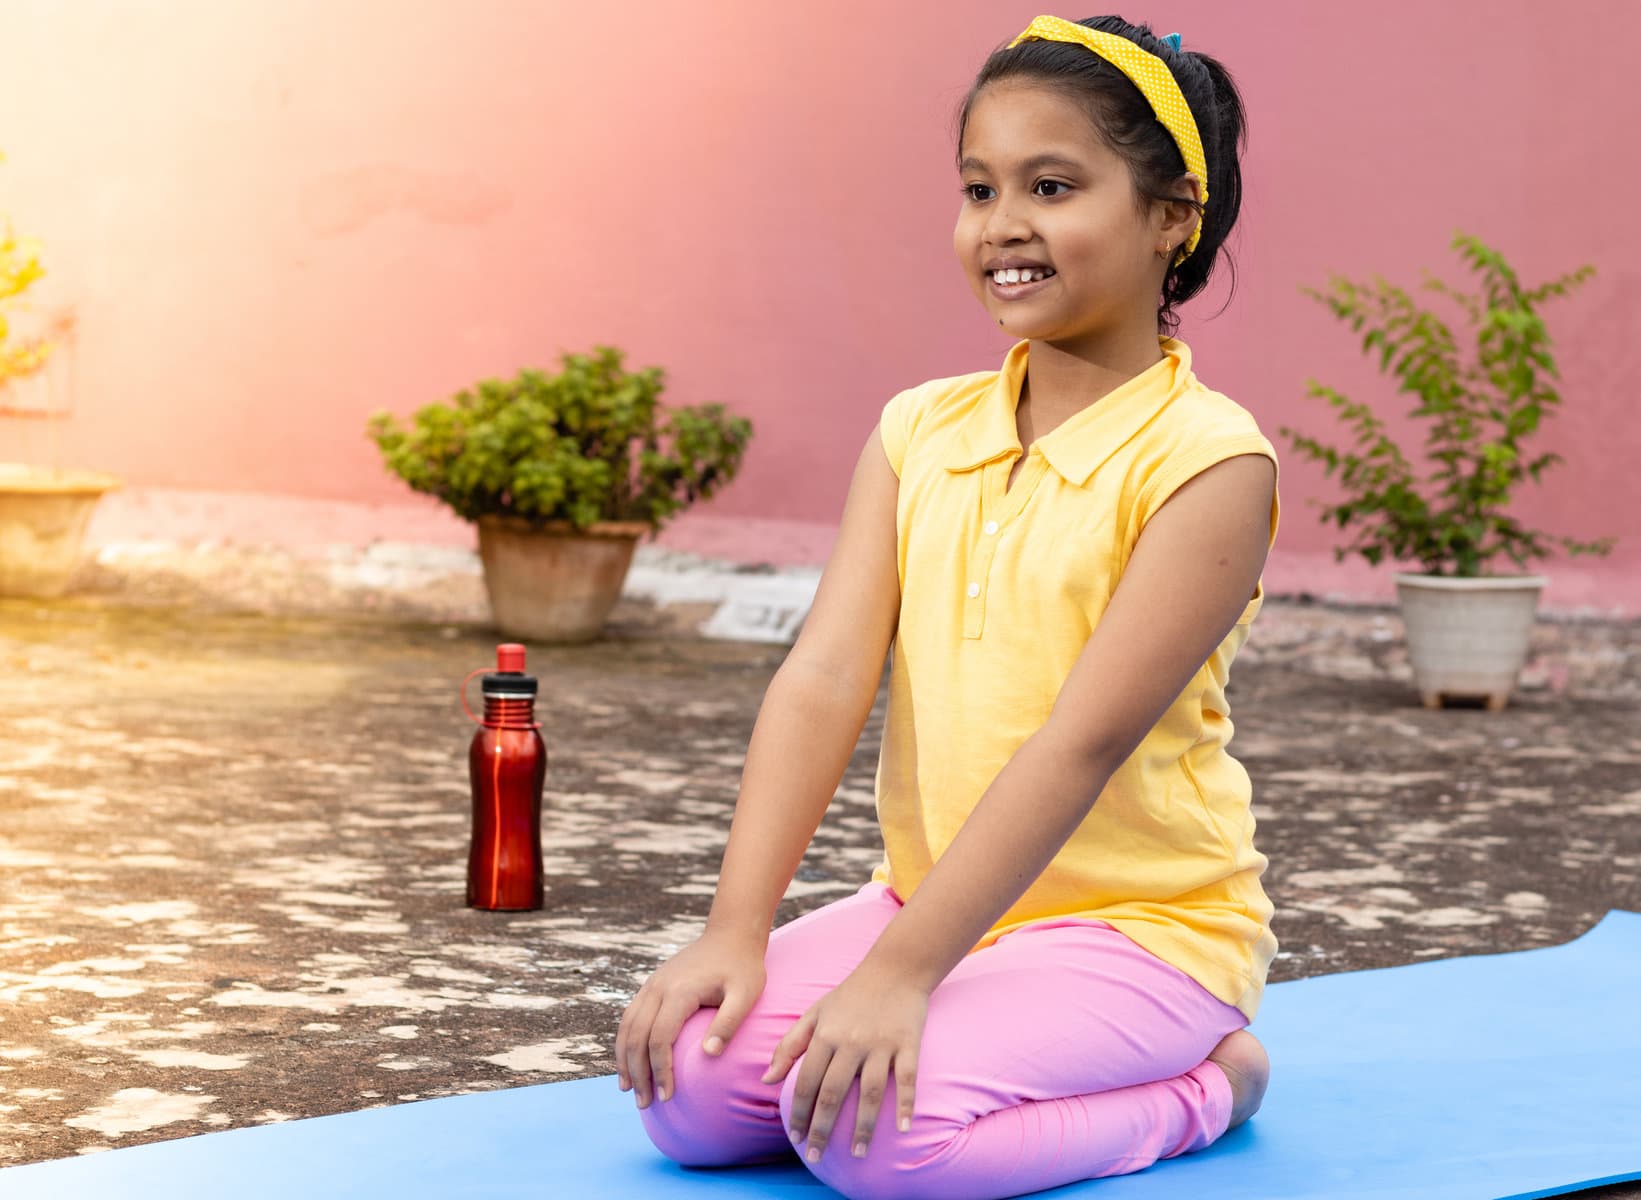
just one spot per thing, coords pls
(697, 1125)
(672, 1133)
(896, 1165)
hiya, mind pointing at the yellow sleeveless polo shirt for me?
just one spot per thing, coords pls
(1000, 589)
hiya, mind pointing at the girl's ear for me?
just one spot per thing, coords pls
(1179, 218)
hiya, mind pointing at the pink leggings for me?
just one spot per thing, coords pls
(1061, 1052)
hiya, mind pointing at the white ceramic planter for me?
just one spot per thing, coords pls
(1467, 638)
(43, 518)
(550, 583)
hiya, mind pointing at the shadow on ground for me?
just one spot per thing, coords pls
(233, 846)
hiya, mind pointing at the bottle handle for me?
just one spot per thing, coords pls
(465, 682)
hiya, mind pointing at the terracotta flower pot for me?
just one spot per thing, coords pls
(553, 583)
(43, 518)
(1467, 638)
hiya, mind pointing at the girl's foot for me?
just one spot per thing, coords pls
(1246, 1066)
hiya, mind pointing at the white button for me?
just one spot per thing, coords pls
(991, 526)
(974, 589)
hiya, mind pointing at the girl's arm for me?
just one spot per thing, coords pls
(807, 727)
(816, 705)
(1191, 576)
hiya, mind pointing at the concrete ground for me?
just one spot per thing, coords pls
(233, 844)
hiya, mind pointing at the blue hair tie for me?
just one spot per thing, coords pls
(1173, 42)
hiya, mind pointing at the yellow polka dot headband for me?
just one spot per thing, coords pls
(1152, 76)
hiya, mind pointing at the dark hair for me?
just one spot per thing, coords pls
(1123, 118)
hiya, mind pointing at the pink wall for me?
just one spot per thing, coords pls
(276, 217)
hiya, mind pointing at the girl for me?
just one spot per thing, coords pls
(1048, 977)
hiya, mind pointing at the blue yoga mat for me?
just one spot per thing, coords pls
(1506, 1075)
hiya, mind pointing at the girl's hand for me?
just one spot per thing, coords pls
(722, 969)
(870, 1023)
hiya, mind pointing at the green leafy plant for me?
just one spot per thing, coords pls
(590, 443)
(19, 270)
(1480, 408)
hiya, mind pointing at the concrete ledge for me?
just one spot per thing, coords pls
(699, 553)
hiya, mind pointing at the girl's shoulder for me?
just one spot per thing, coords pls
(1200, 407)
(950, 392)
(1197, 418)
(934, 409)
(1197, 429)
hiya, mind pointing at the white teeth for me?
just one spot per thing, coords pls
(1016, 275)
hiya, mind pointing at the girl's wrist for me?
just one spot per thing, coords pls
(739, 926)
(889, 959)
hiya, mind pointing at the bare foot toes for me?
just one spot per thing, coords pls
(1248, 1069)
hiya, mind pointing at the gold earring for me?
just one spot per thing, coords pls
(1162, 251)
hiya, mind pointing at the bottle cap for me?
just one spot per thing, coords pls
(509, 678)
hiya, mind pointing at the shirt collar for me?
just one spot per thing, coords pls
(1077, 448)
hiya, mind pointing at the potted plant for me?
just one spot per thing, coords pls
(1467, 626)
(563, 473)
(44, 511)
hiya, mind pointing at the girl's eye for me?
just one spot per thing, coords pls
(968, 189)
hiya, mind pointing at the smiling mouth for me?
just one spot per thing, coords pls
(1020, 288)
(1021, 274)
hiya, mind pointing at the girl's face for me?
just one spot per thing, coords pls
(1041, 187)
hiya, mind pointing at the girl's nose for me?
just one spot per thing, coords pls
(1003, 226)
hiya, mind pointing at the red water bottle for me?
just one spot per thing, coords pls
(507, 763)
